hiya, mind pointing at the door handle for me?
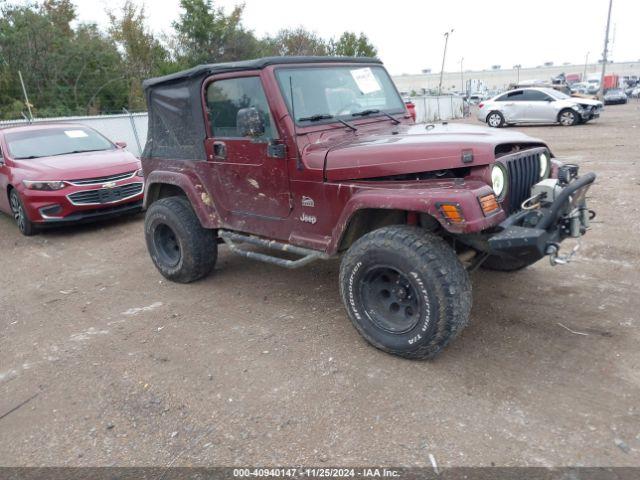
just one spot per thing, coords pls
(220, 150)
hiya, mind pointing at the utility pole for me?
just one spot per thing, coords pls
(517, 67)
(444, 56)
(604, 53)
(461, 76)
(26, 99)
(586, 61)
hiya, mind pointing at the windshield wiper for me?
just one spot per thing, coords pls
(348, 125)
(79, 151)
(315, 118)
(325, 116)
(28, 158)
(365, 113)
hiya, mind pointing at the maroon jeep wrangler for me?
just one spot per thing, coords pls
(287, 160)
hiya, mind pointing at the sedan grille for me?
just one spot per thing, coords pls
(106, 195)
(523, 170)
(99, 180)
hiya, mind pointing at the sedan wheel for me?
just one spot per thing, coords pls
(25, 225)
(568, 118)
(495, 120)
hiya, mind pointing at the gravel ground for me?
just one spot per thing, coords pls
(258, 365)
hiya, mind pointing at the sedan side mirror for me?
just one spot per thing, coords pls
(121, 144)
(250, 123)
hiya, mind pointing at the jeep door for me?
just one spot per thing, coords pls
(250, 172)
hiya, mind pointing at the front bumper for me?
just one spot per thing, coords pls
(529, 235)
(103, 213)
(78, 203)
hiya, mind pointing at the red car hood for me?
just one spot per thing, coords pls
(79, 165)
(414, 148)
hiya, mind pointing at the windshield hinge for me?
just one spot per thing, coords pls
(276, 149)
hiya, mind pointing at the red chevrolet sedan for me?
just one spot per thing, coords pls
(63, 173)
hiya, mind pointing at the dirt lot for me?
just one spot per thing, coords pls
(260, 365)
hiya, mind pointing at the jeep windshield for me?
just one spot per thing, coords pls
(50, 142)
(334, 94)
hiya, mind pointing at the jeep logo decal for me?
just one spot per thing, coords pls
(308, 218)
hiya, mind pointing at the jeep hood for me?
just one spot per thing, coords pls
(407, 149)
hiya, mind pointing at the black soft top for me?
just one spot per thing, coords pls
(176, 121)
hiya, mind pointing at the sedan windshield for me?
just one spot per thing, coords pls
(329, 94)
(47, 142)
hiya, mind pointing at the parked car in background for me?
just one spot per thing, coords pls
(635, 93)
(475, 98)
(60, 173)
(411, 107)
(615, 96)
(593, 86)
(537, 105)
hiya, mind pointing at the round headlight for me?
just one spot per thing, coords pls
(499, 180)
(544, 165)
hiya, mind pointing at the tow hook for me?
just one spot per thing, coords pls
(553, 250)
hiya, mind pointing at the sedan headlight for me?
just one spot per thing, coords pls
(544, 165)
(38, 185)
(499, 180)
(139, 173)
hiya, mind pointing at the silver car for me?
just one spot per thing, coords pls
(537, 105)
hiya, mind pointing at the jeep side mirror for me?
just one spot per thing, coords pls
(250, 123)
(121, 144)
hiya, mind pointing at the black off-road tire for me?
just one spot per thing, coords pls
(25, 225)
(501, 123)
(568, 112)
(435, 281)
(181, 249)
(504, 264)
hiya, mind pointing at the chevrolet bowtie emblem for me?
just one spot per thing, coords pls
(109, 185)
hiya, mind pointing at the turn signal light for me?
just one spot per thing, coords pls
(489, 204)
(451, 212)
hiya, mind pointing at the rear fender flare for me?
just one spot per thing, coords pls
(200, 199)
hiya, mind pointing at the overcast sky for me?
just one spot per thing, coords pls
(409, 33)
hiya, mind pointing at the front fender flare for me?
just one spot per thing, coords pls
(423, 200)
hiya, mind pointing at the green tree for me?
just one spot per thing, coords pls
(143, 55)
(63, 69)
(297, 41)
(206, 34)
(351, 45)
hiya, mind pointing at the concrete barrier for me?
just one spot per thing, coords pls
(437, 108)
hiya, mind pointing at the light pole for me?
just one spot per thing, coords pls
(604, 53)
(517, 68)
(586, 61)
(444, 56)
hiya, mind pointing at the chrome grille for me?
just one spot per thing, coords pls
(106, 195)
(523, 170)
(99, 180)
